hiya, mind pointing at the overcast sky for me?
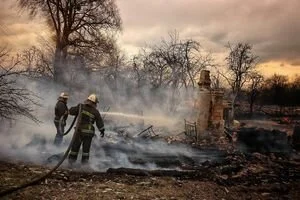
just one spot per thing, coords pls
(271, 26)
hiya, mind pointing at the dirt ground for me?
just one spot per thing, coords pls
(258, 179)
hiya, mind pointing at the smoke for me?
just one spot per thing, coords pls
(35, 145)
(112, 151)
(126, 112)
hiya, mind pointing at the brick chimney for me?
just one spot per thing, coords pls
(210, 107)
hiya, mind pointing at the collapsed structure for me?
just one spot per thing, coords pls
(210, 122)
(209, 111)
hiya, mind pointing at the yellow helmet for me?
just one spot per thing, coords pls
(93, 98)
(64, 95)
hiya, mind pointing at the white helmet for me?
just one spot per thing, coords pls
(93, 98)
(64, 95)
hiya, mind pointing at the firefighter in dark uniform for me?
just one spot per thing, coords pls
(61, 115)
(86, 130)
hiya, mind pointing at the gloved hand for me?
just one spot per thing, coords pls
(102, 132)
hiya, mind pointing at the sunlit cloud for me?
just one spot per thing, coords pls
(271, 26)
(271, 68)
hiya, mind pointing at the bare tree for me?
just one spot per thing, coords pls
(173, 63)
(277, 80)
(14, 99)
(240, 63)
(79, 26)
(216, 78)
(38, 62)
(139, 71)
(254, 88)
(183, 58)
(114, 73)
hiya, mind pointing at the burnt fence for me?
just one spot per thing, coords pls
(191, 130)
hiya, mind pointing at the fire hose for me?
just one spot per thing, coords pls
(60, 125)
(60, 130)
(41, 178)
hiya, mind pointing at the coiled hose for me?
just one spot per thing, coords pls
(41, 178)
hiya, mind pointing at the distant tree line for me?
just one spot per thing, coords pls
(278, 90)
(172, 64)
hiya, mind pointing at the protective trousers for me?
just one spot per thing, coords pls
(59, 133)
(85, 140)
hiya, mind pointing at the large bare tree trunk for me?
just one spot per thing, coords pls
(60, 65)
(79, 26)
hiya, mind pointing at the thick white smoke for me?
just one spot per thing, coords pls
(27, 141)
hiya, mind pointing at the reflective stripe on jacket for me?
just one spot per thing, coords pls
(89, 115)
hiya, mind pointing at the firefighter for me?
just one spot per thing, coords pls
(86, 130)
(61, 115)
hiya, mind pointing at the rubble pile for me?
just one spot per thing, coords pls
(262, 175)
(262, 140)
(235, 169)
(296, 137)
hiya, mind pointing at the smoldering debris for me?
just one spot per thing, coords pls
(263, 141)
(115, 151)
(159, 153)
(128, 147)
(296, 137)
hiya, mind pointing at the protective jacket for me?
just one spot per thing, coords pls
(89, 115)
(61, 109)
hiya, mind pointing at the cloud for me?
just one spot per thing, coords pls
(272, 26)
(17, 29)
(296, 63)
